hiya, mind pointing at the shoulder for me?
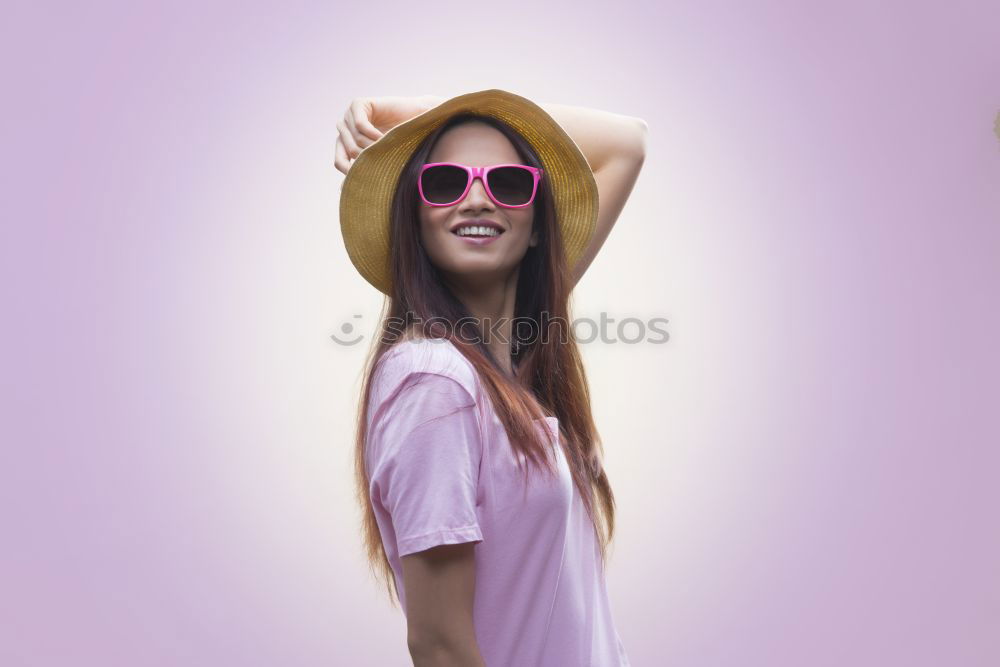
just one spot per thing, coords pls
(427, 355)
(415, 358)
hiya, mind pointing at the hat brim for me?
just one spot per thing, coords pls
(367, 191)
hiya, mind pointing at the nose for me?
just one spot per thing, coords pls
(477, 198)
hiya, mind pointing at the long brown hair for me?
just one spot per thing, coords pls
(550, 378)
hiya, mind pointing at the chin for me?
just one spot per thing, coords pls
(477, 272)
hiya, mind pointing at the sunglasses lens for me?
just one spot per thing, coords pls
(443, 184)
(512, 185)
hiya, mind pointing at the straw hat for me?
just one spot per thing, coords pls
(367, 190)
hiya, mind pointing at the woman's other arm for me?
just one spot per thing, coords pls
(615, 148)
(425, 451)
(440, 589)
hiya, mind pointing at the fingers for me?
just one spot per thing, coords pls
(341, 161)
(347, 138)
(355, 133)
(366, 132)
(360, 140)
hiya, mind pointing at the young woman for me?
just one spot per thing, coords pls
(478, 462)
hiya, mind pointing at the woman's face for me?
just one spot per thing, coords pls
(466, 260)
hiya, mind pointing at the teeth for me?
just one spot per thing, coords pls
(478, 231)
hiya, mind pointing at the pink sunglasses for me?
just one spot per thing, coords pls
(508, 185)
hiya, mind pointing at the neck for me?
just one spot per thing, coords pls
(491, 302)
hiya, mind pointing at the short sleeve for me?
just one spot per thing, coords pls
(425, 450)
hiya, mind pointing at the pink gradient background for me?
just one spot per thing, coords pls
(806, 474)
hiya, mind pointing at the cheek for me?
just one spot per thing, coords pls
(428, 224)
(432, 236)
(522, 225)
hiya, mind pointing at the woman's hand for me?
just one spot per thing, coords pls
(368, 118)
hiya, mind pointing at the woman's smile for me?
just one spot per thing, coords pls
(478, 231)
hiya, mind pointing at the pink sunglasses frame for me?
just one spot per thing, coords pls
(480, 173)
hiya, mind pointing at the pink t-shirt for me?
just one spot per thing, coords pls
(443, 472)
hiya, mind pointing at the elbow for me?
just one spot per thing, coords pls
(641, 137)
(422, 651)
(441, 649)
(428, 644)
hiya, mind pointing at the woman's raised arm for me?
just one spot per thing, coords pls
(615, 148)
